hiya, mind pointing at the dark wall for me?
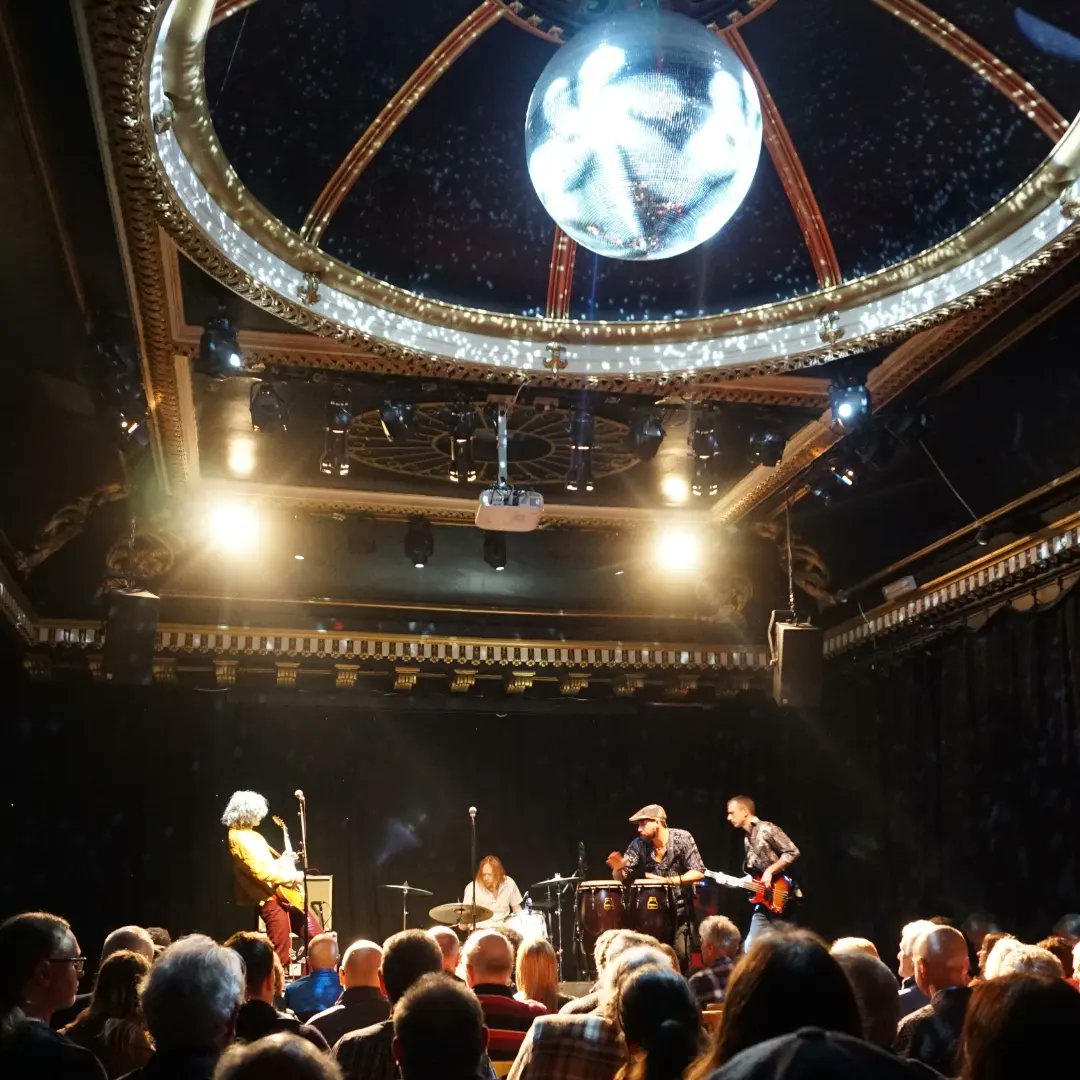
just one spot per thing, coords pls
(941, 782)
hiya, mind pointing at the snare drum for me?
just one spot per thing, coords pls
(652, 908)
(529, 924)
(599, 908)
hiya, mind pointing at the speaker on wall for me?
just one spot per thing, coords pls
(130, 626)
(797, 662)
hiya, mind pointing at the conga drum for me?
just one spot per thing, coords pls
(652, 908)
(599, 907)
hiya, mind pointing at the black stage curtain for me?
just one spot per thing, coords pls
(941, 781)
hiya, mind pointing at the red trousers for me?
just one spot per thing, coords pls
(281, 921)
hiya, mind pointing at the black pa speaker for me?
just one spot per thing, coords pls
(797, 670)
(130, 627)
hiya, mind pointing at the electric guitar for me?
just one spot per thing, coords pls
(290, 894)
(776, 897)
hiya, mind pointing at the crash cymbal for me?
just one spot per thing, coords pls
(556, 880)
(407, 888)
(460, 913)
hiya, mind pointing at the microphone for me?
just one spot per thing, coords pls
(472, 812)
(299, 794)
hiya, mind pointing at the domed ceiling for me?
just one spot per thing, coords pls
(380, 151)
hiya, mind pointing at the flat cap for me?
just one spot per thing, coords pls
(652, 812)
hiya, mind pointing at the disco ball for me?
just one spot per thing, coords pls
(643, 135)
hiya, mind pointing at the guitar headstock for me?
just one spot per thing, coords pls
(277, 821)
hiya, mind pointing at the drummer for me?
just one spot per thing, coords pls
(493, 889)
(658, 852)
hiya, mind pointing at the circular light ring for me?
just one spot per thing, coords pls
(1016, 238)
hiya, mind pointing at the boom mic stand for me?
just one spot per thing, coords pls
(472, 863)
(306, 936)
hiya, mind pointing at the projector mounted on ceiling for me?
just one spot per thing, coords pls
(504, 508)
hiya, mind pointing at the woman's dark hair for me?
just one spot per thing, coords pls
(1018, 1026)
(25, 941)
(258, 956)
(658, 1015)
(116, 991)
(786, 981)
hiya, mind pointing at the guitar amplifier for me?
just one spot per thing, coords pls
(320, 900)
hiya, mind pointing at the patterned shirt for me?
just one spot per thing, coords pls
(680, 855)
(708, 984)
(570, 1048)
(764, 844)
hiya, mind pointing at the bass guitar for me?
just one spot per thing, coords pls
(777, 897)
(288, 894)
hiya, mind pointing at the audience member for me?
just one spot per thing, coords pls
(161, 938)
(660, 1022)
(854, 944)
(439, 1031)
(1068, 927)
(608, 946)
(112, 1027)
(911, 997)
(514, 937)
(362, 1002)
(977, 925)
(367, 1054)
(721, 944)
(536, 975)
(320, 988)
(985, 946)
(1075, 980)
(264, 980)
(874, 986)
(1017, 1027)
(997, 956)
(489, 965)
(277, 1057)
(190, 1001)
(1023, 959)
(932, 1034)
(785, 982)
(1062, 949)
(450, 944)
(39, 974)
(585, 1046)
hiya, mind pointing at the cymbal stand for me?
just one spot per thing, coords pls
(405, 906)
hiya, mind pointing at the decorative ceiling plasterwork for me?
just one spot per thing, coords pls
(201, 201)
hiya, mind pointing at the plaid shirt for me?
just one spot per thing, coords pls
(709, 984)
(764, 844)
(570, 1048)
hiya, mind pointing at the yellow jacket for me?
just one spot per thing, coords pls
(256, 872)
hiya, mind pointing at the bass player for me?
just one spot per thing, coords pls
(263, 876)
(769, 851)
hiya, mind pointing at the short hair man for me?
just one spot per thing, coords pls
(721, 944)
(932, 1034)
(489, 967)
(450, 944)
(367, 1054)
(911, 997)
(362, 1002)
(320, 988)
(276, 1056)
(190, 1001)
(439, 1031)
(874, 986)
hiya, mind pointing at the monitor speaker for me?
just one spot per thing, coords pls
(130, 626)
(797, 670)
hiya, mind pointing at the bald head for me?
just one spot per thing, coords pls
(132, 938)
(941, 960)
(450, 945)
(323, 953)
(360, 964)
(489, 958)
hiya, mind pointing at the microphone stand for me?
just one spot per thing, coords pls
(306, 937)
(472, 863)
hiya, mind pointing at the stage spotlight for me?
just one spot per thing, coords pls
(269, 410)
(396, 417)
(335, 458)
(820, 491)
(219, 350)
(704, 438)
(767, 448)
(581, 429)
(241, 458)
(463, 422)
(419, 543)
(495, 550)
(646, 435)
(678, 550)
(579, 478)
(704, 482)
(233, 527)
(843, 474)
(850, 402)
(674, 487)
(339, 412)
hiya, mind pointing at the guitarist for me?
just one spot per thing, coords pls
(262, 876)
(769, 851)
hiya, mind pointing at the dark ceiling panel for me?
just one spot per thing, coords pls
(902, 144)
(465, 224)
(758, 257)
(1033, 39)
(292, 85)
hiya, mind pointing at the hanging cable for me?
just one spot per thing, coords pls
(790, 570)
(941, 472)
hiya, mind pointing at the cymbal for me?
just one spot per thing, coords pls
(407, 888)
(460, 913)
(556, 880)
